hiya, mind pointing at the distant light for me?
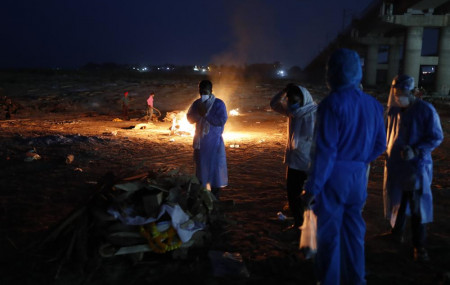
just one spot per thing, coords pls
(168, 68)
(281, 73)
(204, 70)
(195, 68)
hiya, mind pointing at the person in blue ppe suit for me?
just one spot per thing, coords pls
(413, 132)
(209, 115)
(349, 135)
(297, 104)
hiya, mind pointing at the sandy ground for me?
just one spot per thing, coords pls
(37, 195)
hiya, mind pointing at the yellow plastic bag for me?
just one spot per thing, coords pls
(308, 238)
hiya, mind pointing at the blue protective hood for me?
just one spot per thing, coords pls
(344, 70)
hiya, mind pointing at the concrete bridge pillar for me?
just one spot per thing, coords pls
(393, 62)
(413, 51)
(443, 70)
(371, 64)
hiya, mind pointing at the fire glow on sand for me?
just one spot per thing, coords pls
(182, 127)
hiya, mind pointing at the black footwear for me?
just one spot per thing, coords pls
(421, 254)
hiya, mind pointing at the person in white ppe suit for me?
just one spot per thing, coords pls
(296, 103)
(413, 131)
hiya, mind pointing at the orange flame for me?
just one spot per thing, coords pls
(181, 126)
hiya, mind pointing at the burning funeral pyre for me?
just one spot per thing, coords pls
(180, 124)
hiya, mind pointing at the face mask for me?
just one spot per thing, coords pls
(294, 107)
(402, 101)
(204, 97)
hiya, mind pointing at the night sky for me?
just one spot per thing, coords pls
(69, 34)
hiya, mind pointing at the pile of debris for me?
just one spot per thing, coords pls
(158, 212)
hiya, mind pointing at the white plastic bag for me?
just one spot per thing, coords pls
(308, 238)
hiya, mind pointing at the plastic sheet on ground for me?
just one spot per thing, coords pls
(180, 220)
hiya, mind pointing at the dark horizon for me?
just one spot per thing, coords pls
(55, 34)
